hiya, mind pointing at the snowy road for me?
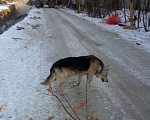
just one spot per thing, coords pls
(48, 35)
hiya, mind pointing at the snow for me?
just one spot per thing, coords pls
(15, 56)
(20, 94)
(135, 36)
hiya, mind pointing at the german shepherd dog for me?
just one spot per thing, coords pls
(77, 66)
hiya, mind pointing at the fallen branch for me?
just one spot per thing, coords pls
(50, 118)
(93, 118)
(63, 105)
(63, 96)
(1, 116)
(0, 110)
(79, 106)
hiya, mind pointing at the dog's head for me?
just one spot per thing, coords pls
(103, 74)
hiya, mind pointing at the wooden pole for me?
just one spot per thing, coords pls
(131, 18)
(79, 8)
(131, 14)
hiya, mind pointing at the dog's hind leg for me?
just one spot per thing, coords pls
(60, 84)
(78, 82)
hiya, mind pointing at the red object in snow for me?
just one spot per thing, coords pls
(112, 20)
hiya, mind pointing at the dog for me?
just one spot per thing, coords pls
(77, 66)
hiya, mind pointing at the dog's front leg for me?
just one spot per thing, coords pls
(78, 82)
(89, 80)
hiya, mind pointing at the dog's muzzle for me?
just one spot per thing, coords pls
(104, 80)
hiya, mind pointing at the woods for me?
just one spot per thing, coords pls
(103, 8)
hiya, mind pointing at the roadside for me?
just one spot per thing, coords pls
(12, 13)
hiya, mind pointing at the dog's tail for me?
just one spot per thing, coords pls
(49, 79)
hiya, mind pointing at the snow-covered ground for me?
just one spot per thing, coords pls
(29, 48)
(138, 36)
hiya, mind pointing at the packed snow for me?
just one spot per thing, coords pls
(138, 36)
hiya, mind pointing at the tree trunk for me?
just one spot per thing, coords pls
(139, 11)
(145, 19)
(68, 3)
(79, 6)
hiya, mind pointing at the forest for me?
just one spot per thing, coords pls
(103, 8)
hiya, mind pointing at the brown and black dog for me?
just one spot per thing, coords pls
(77, 66)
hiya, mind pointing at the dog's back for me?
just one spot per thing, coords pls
(80, 63)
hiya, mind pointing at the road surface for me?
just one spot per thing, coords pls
(52, 34)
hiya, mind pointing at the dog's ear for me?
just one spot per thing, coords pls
(107, 67)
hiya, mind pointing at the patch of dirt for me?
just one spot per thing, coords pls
(7, 24)
(9, 18)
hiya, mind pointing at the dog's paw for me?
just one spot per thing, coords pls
(74, 85)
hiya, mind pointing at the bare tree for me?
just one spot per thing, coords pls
(146, 5)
